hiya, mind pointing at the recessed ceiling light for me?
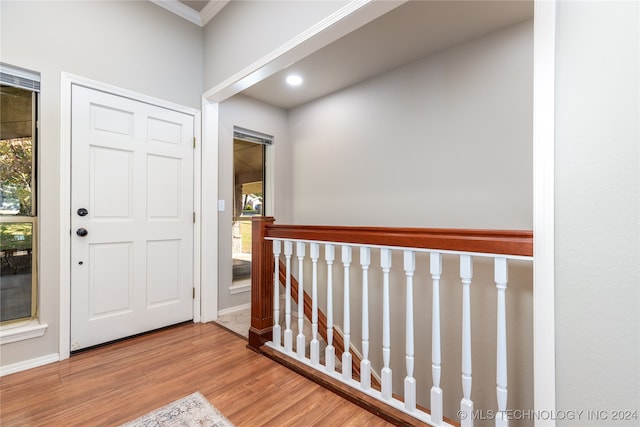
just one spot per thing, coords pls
(294, 80)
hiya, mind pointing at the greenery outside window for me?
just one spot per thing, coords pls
(19, 90)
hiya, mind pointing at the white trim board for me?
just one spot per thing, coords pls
(24, 331)
(67, 81)
(209, 197)
(544, 363)
(28, 364)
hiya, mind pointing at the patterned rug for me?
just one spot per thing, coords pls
(193, 410)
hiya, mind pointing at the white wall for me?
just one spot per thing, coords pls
(598, 209)
(247, 113)
(245, 31)
(442, 142)
(135, 45)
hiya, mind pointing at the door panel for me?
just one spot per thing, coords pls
(111, 176)
(110, 281)
(163, 279)
(132, 169)
(163, 195)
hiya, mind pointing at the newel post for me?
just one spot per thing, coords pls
(262, 263)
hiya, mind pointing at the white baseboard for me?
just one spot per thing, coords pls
(235, 309)
(29, 364)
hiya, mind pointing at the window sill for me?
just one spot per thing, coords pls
(22, 331)
(240, 287)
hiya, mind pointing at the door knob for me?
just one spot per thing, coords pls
(82, 232)
(82, 212)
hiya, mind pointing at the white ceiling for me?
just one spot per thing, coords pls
(411, 31)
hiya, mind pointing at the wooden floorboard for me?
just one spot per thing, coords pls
(110, 385)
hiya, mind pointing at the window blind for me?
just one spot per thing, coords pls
(252, 136)
(19, 77)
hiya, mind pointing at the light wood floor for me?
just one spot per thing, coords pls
(113, 384)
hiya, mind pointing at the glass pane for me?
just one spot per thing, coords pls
(16, 151)
(248, 201)
(16, 270)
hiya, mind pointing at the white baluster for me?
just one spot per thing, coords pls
(409, 380)
(466, 405)
(315, 344)
(365, 364)
(329, 351)
(300, 340)
(500, 271)
(385, 263)
(288, 333)
(277, 331)
(346, 354)
(436, 358)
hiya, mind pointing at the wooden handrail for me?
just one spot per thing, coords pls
(502, 242)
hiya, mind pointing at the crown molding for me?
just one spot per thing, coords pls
(180, 9)
(184, 11)
(211, 10)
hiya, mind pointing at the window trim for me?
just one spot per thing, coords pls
(23, 330)
(27, 327)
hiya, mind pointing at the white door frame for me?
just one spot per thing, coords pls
(209, 229)
(544, 335)
(67, 81)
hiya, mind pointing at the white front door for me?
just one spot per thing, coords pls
(131, 217)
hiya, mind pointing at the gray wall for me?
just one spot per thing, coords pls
(135, 45)
(442, 142)
(597, 209)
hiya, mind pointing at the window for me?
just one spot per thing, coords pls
(249, 152)
(19, 90)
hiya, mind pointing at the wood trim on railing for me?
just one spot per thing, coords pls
(501, 242)
(386, 412)
(262, 273)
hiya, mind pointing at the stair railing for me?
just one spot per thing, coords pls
(272, 241)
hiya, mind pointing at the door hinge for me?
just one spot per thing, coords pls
(194, 293)
(194, 217)
(194, 142)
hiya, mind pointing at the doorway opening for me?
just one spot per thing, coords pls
(249, 153)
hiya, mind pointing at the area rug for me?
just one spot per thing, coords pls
(193, 410)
